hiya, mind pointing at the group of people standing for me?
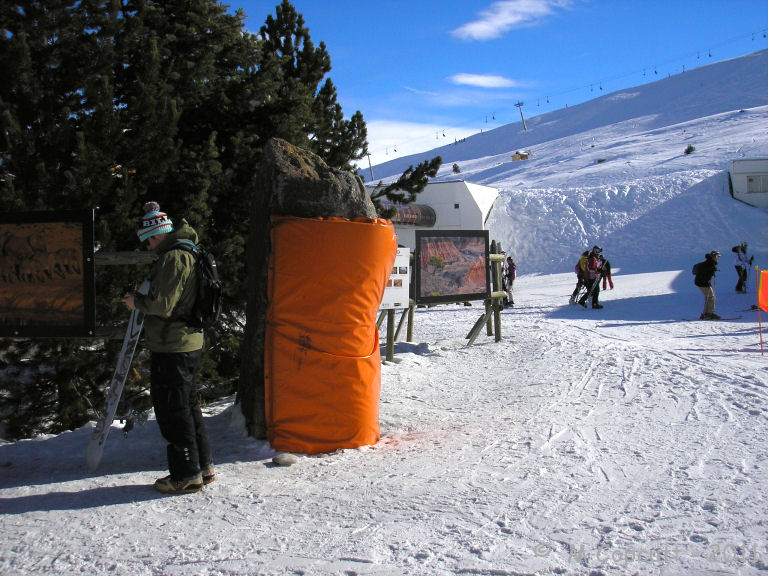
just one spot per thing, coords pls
(593, 268)
(704, 273)
(590, 269)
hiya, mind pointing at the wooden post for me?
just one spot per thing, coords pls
(497, 303)
(491, 317)
(390, 335)
(489, 302)
(122, 258)
(476, 328)
(400, 324)
(411, 306)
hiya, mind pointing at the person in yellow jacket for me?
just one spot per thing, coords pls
(592, 273)
(176, 349)
(579, 269)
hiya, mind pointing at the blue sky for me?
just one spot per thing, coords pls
(426, 72)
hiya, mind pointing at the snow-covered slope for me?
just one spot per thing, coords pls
(720, 87)
(614, 172)
(626, 440)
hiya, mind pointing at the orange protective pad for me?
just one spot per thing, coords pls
(762, 297)
(322, 364)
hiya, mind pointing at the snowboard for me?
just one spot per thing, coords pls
(590, 291)
(115, 390)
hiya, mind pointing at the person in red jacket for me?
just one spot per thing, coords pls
(592, 278)
(605, 266)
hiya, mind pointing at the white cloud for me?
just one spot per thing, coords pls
(506, 15)
(483, 80)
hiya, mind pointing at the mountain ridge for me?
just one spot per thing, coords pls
(696, 93)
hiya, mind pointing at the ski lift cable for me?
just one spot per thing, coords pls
(551, 97)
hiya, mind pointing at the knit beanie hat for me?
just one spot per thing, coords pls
(154, 222)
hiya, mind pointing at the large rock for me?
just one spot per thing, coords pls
(299, 183)
(291, 182)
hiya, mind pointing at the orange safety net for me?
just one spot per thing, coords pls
(762, 293)
(322, 362)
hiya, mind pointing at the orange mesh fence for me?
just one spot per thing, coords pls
(322, 363)
(762, 295)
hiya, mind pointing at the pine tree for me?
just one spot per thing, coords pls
(106, 104)
(334, 139)
(51, 158)
(408, 185)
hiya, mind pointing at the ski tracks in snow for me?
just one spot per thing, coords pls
(594, 420)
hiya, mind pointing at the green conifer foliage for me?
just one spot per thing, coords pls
(106, 104)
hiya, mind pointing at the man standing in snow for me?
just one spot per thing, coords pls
(592, 278)
(705, 271)
(176, 351)
(742, 263)
(510, 273)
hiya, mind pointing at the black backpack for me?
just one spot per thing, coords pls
(697, 267)
(207, 308)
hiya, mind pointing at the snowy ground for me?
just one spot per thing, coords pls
(618, 441)
(626, 440)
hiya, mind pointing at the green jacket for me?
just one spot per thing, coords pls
(172, 293)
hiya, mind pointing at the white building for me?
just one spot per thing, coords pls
(748, 179)
(454, 205)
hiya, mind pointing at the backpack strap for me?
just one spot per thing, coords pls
(185, 245)
(190, 248)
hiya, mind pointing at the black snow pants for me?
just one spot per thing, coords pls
(595, 292)
(174, 397)
(579, 285)
(741, 285)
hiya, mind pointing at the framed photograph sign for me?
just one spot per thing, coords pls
(451, 266)
(396, 293)
(46, 274)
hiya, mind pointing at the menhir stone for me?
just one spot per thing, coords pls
(290, 182)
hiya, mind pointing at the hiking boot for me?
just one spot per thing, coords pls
(208, 474)
(168, 485)
(596, 306)
(713, 316)
(583, 303)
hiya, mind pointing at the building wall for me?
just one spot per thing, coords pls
(749, 178)
(458, 205)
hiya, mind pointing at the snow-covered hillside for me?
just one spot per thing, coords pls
(627, 440)
(614, 172)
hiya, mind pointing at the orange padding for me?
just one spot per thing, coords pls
(322, 364)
